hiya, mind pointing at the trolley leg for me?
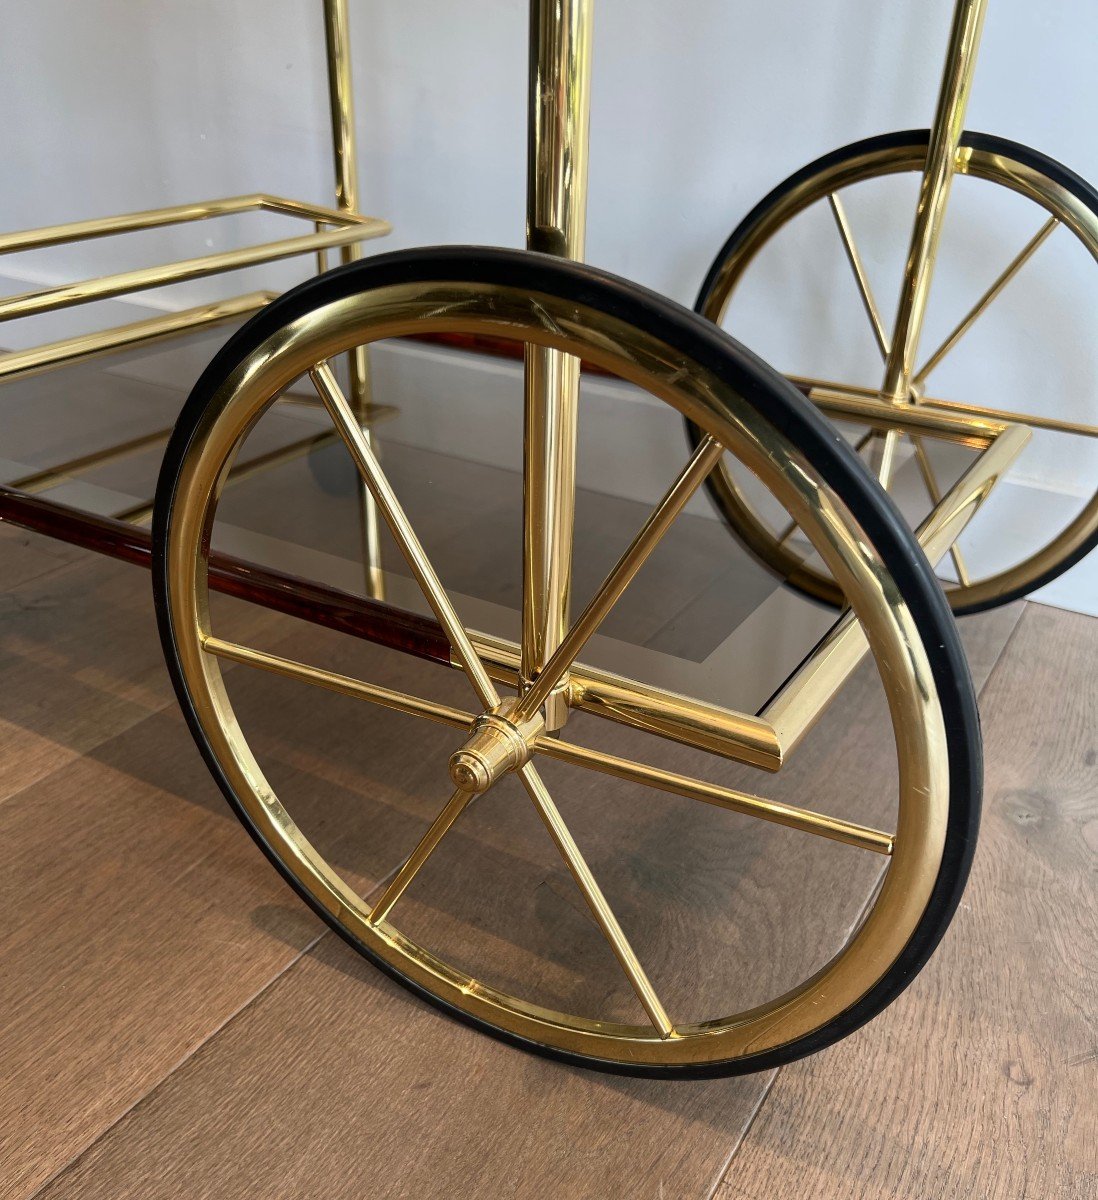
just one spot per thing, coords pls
(556, 204)
(341, 102)
(945, 139)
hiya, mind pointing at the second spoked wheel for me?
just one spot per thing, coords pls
(1007, 338)
(743, 409)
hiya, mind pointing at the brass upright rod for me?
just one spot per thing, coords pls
(945, 140)
(341, 104)
(556, 203)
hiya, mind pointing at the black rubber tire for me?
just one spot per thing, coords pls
(1053, 170)
(785, 408)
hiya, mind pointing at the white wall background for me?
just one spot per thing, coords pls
(698, 108)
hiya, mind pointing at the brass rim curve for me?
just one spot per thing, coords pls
(581, 322)
(1061, 193)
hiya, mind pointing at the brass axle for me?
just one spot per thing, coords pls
(497, 745)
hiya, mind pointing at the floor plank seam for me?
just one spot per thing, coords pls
(1007, 643)
(722, 1174)
(152, 1091)
(871, 895)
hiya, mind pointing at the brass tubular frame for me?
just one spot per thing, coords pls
(790, 816)
(342, 226)
(735, 735)
(982, 422)
(24, 363)
(348, 228)
(556, 211)
(563, 323)
(341, 104)
(945, 140)
(704, 460)
(802, 700)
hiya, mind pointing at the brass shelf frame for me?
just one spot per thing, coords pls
(340, 228)
(543, 668)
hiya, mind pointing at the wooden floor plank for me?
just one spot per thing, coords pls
(80, 662)
(25, 556)
(370, 1091)
(982, 1080)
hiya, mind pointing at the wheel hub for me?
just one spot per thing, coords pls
(497, 745)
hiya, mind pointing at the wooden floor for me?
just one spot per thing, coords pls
(173, 1023)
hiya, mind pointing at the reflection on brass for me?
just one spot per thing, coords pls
(804, 698)
(610, 592)
(556, 213)
(501, 741)
(937, 164)
(941, 157)
(25, 363)
(655, 710)
(774, 811)
(346, 228)
(334, 682)
(341, 105)
(638, 356)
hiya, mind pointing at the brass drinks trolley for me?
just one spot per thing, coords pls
(528, 688)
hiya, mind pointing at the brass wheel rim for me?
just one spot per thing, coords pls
(544, 319)
(996, 168)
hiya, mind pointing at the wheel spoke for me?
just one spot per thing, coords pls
(857, 266)
(455, 806)
(787, 815)
(370, 469)
(965, 324)
(596, 901)
(889, 443)
(934, 491)
(705, 458)
(344, 685)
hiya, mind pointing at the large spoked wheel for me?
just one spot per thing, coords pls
(1036, 376)
(745, 410)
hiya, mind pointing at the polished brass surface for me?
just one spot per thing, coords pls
(426, 846)
(24, 363)
(332, 681)
(341, 104)
(592, 893)
(574, 328)
(792, 817)
(705, 458)
(478, 756)
(692, 722)
(501, 741)
(844, 404)
(968, 320)
(554, 747)
(945, 141)
(806, 695)
(349, 428)
(29, 304)
(556, 214)
(842, 398)
(856, 265)
(345, 156)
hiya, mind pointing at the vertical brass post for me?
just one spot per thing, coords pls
(945, 140)
(342, 108)
(556, 209)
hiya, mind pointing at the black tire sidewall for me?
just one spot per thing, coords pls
(780, 403)
(1055, 171)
